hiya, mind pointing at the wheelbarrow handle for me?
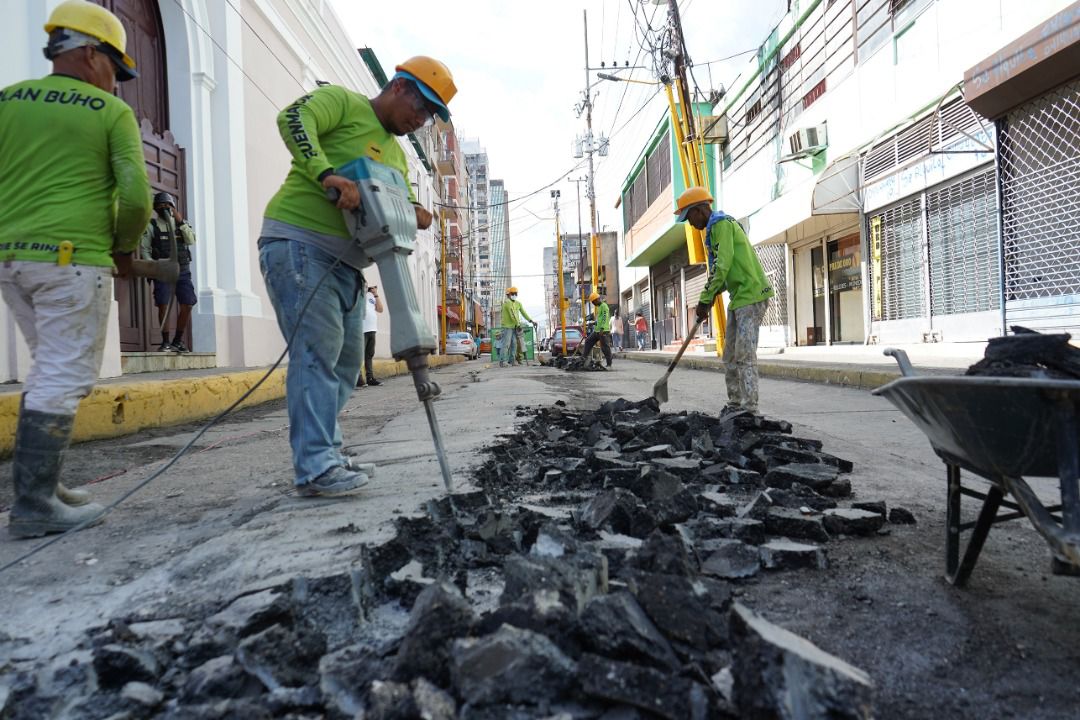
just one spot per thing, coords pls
(906, 368)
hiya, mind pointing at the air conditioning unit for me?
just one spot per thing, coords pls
(714, 128)
(807, 141)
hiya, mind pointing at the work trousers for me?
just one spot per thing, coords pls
(511, 345)
(369, 354)
(642, 338)
(63, 312)
(740, 354)
(604, 338)
(325, 354)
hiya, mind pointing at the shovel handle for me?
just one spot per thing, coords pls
(686, 343)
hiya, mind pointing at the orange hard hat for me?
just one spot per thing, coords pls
(432, 78)
(696, 195)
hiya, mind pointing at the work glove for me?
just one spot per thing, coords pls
(702, 312)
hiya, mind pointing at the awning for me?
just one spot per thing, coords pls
(451, 315)
(837, 190)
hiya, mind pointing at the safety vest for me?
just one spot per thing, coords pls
(160, 248)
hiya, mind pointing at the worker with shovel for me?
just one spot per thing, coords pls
(733, 266)
(305, 247)
(601, 331)
(512, 345)
(75, 200)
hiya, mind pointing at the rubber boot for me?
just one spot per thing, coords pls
(71, 496)
(40, 443)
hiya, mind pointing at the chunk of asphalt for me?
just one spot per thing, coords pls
(877, 506)
(717, 504)
(439, 616)
(799, 495)
(142, 694)
(757, 508)
(746, 529)
(116, 665)
(618, 510)
(785, 554)
(281, 657)
(346, 675)
(791, 523)
(839, 488)
(510, 665)
(249, 614)
(220, 678)
(814, 475)
(851, 521)
(732, 560)
(901, 516)
(691, 611)
(661, 694)
(616, 626)
(667, 554)
(778, 674)
(679, 508)
(576, 578)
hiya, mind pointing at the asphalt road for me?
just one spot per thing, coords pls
(224, 520)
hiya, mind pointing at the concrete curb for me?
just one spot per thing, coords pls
(121, 408)
(853, 376)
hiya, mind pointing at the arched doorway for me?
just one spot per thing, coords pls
(148, 96)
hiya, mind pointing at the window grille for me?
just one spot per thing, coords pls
(774, 261)
(1040, 180)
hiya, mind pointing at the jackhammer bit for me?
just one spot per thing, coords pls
(384, 226)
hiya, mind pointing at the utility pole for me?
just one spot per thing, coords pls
(442, 236)
(559, 263)
(581, 244)
(591, 146)
(463, 325)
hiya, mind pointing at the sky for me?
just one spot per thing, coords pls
(520, 70)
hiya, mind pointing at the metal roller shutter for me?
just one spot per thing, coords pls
(1040, 187)
(903, 252)
(696, 279)
(774, 261)
(965, 271)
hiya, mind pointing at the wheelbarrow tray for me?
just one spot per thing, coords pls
(1003, 429)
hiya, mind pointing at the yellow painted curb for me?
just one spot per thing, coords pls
(123, 408)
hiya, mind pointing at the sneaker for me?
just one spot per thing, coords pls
(334, 481)
(373, 382)
(502, 364)
(165, 346)
(179, 346)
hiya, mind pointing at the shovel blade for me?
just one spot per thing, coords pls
(659, 390)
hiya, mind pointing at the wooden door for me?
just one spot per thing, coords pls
(149, 98)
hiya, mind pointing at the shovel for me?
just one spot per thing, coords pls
(659, 390)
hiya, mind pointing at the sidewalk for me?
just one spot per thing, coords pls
(858, 366)
(124, 405)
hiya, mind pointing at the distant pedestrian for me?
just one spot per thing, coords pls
(616, 330)
(371, 326)
(734, 266)
(641, 330)
(157, 245)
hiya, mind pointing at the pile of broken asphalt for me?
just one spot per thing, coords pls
(595, 574)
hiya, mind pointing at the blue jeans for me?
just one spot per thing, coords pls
(326, 352)
(509, 345)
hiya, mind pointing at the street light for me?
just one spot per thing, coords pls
(616, 78)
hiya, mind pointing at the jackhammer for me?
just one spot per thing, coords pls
(384, 226)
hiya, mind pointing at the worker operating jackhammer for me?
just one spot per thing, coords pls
(512, 345)
(74, 199)
(303, 236)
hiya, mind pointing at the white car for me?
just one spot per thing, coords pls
(462, 343)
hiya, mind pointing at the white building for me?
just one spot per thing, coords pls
(864, 178)
(209, 127)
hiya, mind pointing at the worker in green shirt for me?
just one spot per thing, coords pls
(75, 199)
(733, 266)
(304, 237)
(512, 342)
(601, 330)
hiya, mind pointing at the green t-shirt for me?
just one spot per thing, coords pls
(603, 317)
(510, 317)
(71, 168)
(736, 268)
(323, 130)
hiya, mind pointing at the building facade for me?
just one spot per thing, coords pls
(210, 134)
(496, 278)
(869, 182)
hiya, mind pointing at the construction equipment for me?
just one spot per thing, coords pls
(659, 390)
(384, 226)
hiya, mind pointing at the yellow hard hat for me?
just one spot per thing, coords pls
(511, 291)
(432, 78)
(96, 22)
(691, 197)
(594, 296)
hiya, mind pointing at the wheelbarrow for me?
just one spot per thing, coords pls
(1002, 429)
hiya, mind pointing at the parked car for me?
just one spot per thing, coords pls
(485, 343)
(574, 338)
(462, 343)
